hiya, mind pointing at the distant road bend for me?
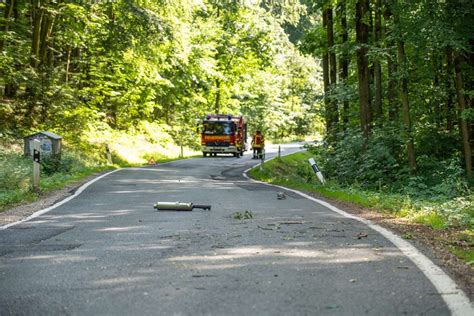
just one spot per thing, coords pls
(107, 251)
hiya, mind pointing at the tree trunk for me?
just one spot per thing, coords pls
(37, 13)
(217, 104)
(68, 62)
(391, 66)
(6, 23)
(46, 31)
(449, 89)
(436, 108)
(10, 88)
(332, 54)
(344, 60)
(362, 33)
(463, 124)
(333, 111)
(406, 106)
(377, 68)
(326, 82)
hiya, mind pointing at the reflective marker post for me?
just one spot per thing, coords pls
(316, 170)
(36, 164)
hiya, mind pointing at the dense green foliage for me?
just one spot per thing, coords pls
(90, 67)
(396, 92)
(16, 174)
(399, 78)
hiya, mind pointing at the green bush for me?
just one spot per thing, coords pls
(380, 164)
(15, 171)
(417, 200)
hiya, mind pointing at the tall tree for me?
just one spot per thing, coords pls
(377, 67)
(462, 106)
(407, 124)
(333, 113)
(326, 77)
(344, 58)
(362, 37)
(391, 62)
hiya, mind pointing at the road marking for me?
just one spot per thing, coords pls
(78, 192)
(456, 300)
(52, 207)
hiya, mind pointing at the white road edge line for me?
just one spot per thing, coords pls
(454, 297)
(52, 207)
(78, 192)
(456, 300)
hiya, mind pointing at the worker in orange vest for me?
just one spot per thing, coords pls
(258, 144)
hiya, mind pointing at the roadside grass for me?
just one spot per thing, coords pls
(294, 171)
(16, 174)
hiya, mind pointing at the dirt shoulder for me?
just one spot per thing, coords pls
(22, 211)
(435, 244)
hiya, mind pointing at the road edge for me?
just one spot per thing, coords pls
(78, 190)
(454, 297)
(52, 207)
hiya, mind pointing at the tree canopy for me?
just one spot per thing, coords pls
(71, 66)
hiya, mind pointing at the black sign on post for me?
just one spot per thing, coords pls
(36, 155)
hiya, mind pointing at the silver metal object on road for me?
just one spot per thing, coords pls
(178, 206)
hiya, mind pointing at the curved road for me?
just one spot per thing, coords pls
(107, 251)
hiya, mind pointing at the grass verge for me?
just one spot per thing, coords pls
(16, 175)
(293, 171)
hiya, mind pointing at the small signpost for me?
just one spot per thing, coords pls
(36, 164)
(279, 151)
(109, 155)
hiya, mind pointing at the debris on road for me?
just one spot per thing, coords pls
(204, 276)
(177, 206)
(246, 215)
(281, 196)
(292, 223)
(360, 235)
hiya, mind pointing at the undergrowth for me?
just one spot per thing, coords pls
(83, 154)
(436, 211)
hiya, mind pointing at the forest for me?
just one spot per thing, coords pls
(385, 85)
(77, 67)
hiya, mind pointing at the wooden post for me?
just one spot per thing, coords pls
(36, 164)
(109, 155)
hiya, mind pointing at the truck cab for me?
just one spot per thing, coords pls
(223, 134)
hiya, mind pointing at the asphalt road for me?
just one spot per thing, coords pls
(108, 251)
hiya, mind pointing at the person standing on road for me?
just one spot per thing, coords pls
(258, 144)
